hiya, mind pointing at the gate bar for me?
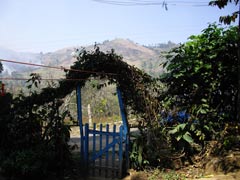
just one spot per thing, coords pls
(122, 110)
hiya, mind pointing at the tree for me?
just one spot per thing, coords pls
(202, 75)
(227, 20)
(33, 139)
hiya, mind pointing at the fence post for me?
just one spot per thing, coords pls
(113, 151)
(100, 149)
(120, 151)
(86, 146)
(125, 128)
(107, 153)
(122, 110)
(79, 113)
(94, 146)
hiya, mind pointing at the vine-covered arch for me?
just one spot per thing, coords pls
(136, 86)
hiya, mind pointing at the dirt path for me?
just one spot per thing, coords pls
(230, 176)
(144, 176)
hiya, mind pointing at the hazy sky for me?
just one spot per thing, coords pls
(48, 25)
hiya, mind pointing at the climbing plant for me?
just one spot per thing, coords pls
(139, 90)
(137, 87)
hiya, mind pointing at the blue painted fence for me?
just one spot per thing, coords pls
(104, 151)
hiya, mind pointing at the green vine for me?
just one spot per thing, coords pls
(139, 90)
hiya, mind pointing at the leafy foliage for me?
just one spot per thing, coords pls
(202, 74)
(181, 134)
(146, 147)
(138, 157)
(202, 80)
(33, 139)
(221, 4)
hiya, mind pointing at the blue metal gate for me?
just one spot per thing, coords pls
(104, 150)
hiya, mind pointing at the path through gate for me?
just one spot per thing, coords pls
(104, 149)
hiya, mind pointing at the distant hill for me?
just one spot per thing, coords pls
(144, 57)
(18, 56)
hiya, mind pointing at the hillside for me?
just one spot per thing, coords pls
(18, 56)
(144, 57)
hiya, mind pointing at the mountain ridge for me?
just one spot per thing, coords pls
(143, 57)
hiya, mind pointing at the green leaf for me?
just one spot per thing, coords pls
(206, 127)
(208, 66)
(173, 131)
(196, 69)
(181, 126)
(145, 162)
(140, 158)
(179, 137)
(198, 133)
(202, 137)
(187, 137)
(195, 85)
(202, 111)
(165, 64)
(192, 127)
(205, 105)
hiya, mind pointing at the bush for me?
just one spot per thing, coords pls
(34, 140)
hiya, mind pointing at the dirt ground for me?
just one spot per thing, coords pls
(226, 167)
(220, 176)
(142, 176)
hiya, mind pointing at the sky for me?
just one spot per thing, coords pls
(49, 25)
